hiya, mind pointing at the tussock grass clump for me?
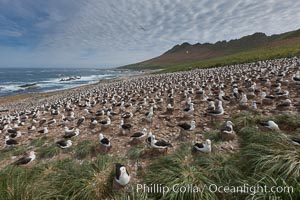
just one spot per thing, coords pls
(38, 142)
(48, 151)
(270, 187)
(277, 159)
(179, 170)
(21, 183)
(12, 151)
(213, 136)
(136, 152)
(250, 135)
(269, 152)
(133, 194)
(246, 119)
(220, 167)
(86, 180)
(288, 122)
(84, 149)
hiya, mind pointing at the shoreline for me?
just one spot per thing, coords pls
(7, 102)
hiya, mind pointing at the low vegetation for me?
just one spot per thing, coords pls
(239, 58)
(265, 158)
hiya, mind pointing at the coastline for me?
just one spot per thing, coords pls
(20, 100)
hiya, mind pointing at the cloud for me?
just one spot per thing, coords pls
(117, 32)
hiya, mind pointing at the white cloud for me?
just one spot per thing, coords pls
(116, 32)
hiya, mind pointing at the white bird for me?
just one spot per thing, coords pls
(64, 144)
(71, 134)
(205, 148)
(295, 141)
(188, 127)
(160, 144)
(44, 130)
(228, 128)
(70, 130)
(244, 100)
(139, 135)
(270, 125)
(104, 141)
(26, 159)
(122, 176)
(9, 142)
(254, 106)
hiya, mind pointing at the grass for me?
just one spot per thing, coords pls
(38, 142)
(86, 180)
(61, 179)
(12, 151)
(243, 57)
(84, 149)
(179, 169)
(262, 180)
(212, 135)
(239, 58)
(48, 151)
(21, 183)
(136, 152)
(133, 194)
(265, 159)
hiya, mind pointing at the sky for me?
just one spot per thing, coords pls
(111, 33)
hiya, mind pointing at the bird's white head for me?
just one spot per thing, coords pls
(101, 136)
(229, 123)
(123, 171)
(208, 142)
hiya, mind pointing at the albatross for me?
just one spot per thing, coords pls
(203, 147)
(270, 125)
(10, 142)
(122, 176)
(139, 135)
(64, 144)
(226, 132)
(26, 159)
(104, 141)
(188, 127)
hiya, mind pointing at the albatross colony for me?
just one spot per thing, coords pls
(157, 104)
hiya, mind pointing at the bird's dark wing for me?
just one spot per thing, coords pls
(226, 128)
(137, 134)
(103, 122)
(11, 142)
(199, 145)
(296, 140)
(61, 143)
(162, 143)
(118, 172)
(126, 126)
(105, 141)
(11, 131)
(80, 121)
(185, 126)
(22, 161)
(214, 112)
(69, 135)
(264, 123)
(186, 109)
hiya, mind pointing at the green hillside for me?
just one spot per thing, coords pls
(250, 48)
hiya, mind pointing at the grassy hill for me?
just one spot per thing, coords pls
(250, 48)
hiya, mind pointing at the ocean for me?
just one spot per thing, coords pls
(15, 81)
